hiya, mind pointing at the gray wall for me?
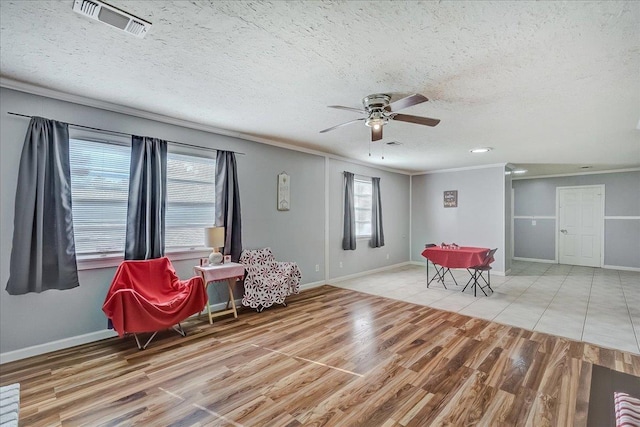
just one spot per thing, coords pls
(394, 192)
(508, 231)
(537, 197)
(479, 219)
(296, 235)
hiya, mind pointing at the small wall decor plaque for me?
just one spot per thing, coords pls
(451, 199)
(284, 192)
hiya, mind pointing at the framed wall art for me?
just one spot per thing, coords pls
(451, 199)
(284, 192)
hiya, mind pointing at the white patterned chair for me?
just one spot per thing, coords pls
(268, 281)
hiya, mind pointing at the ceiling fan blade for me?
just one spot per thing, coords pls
(410, 100)
(340, 107)
(376, 134)
(343, 124)
(427, 121)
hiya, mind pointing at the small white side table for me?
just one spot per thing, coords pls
(230, 272)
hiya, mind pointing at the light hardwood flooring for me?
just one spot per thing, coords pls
(334, 357)
(594, 305)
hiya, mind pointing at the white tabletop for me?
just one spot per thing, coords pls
(216, 272)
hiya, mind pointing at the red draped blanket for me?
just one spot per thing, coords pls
(148, 296)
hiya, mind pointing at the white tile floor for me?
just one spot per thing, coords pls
(587, 304)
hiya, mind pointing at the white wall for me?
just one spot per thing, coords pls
(296, 235)
(479, 219)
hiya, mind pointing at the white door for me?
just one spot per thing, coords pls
(580, 222)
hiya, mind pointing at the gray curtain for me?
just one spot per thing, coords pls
(349, 230)
(228, 203)
(43, 255)
(377, 235)
(147, 198)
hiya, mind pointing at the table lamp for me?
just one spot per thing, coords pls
(214, 238)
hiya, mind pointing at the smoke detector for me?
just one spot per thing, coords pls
(100, 11)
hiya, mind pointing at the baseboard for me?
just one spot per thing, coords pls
(312, 285)
(36, 350)
(366, 273)
(547, 261)
(616, 267)
(39, 349)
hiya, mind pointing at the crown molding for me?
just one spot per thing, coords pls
(466, 168)
(122, 109)
(520, 178)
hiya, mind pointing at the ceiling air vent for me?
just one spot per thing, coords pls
(113, 16)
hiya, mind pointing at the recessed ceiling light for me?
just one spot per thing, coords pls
(520, 171)
(481, 150)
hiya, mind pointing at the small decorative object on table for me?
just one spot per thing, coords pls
(227, 259)
(214, 238)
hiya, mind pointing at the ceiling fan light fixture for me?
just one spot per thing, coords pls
(375, 122)
(481, 150)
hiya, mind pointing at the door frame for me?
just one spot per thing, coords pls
(602, 204)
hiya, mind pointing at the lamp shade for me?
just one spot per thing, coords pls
(214, 237)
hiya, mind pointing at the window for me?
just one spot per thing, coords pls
(362, 203)
(191, 197)
(100, 189)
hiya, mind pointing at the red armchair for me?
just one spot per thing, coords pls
(148, 296)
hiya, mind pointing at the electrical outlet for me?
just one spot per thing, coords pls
(317, 267)
(340, 264)
(533, 222)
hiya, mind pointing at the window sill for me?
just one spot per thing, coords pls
(107, 261)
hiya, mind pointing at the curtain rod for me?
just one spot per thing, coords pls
(359, 174)
(129, 134)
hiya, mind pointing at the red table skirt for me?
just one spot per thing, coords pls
(462, 257)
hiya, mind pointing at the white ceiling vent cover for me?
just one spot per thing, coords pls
(113, 16)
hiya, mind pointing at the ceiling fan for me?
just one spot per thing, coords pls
(378, 110)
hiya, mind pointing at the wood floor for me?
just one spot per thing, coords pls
(331, 357)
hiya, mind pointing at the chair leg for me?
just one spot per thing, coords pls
(473, 274)
(450, 274)
(438, 276)
(178, 329)
(486, 281)
(142, 347)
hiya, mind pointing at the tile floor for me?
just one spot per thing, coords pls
(582, 303)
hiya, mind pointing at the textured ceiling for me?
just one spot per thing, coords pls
(544, 82)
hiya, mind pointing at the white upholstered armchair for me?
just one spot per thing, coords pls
(268, 281)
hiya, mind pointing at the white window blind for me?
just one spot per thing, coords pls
(191, 197)
(362, 203)
(99, 191)
(100, 188)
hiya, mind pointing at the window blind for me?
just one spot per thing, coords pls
(99, 190)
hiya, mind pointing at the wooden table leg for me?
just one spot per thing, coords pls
(206, 287)
(230, 283)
